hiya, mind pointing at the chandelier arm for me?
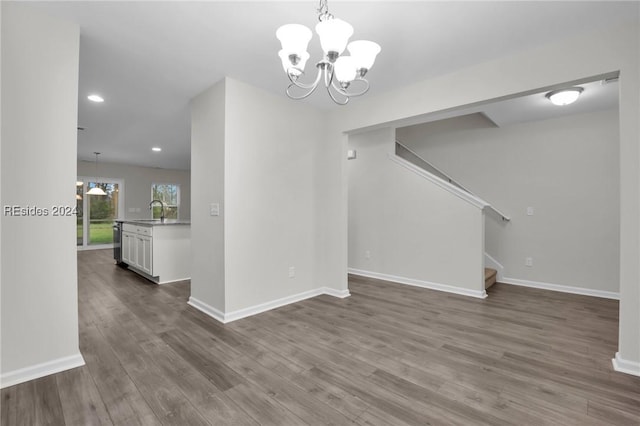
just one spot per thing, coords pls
(339, 88)
(334, 99)
(309, 87)
(297, 98)
(345, 92)
(330, 82)
(295, 82)
(328, 75)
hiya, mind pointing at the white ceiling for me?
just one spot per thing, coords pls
(148, 59)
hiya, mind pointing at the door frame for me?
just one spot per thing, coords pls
(85, 201)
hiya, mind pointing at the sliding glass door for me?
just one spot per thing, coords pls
(96, 213)
(80, 212)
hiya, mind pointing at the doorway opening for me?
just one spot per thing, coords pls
(96, 213)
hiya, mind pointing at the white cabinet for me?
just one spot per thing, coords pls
(137, 247)
(159, 252)
(125, 245)
(144, 246)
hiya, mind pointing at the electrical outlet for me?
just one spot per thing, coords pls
(214, 209)
(292, 271)
(367, 254)
(528, 261)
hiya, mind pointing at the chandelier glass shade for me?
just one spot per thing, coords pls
(342, 75)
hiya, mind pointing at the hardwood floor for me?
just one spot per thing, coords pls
(388, 355)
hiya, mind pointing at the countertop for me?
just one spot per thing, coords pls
(155, 222)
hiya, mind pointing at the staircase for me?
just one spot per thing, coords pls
(407, 154)
(489, 277)
(412, 161)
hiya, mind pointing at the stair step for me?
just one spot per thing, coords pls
(490, 276)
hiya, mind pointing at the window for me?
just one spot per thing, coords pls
(169, 194)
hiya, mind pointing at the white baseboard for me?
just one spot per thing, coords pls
(562, 288)
(480, 294)
(96, 247)
(171, 281)
(263, 307)
(25, 374)
(491, 262)
(336, 293)
(625, 366)
(207, 309)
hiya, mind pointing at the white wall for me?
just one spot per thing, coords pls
(137, 185)
(269, 195)
(0, 199)
(269, 169)
(39, 276)
(566, 168)
(208, 181)
(570, 60)
(412, 229)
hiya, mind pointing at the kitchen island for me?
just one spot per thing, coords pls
(158, 250)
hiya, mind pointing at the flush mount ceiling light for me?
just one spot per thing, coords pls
(564, 96)
(337, 72)
(156, 149)
(95, 98)
(96, 190)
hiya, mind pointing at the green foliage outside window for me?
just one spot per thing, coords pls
(169, 194)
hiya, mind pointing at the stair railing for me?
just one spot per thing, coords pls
(403, 151)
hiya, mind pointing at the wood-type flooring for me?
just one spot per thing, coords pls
(390, 354)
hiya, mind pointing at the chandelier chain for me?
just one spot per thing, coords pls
(323, 11)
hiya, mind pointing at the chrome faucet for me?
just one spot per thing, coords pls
(161, 206)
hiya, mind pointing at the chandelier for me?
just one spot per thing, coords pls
(343, 76)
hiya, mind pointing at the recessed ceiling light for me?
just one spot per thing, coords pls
(564, 96)
(95, 98)
(156, 149)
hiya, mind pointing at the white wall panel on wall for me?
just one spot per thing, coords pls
(263, 170)
(39, 277)
(403, 225)
(270, 195)
(566, 169)
(208, 180)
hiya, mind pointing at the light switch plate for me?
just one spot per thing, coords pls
(214, 209)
